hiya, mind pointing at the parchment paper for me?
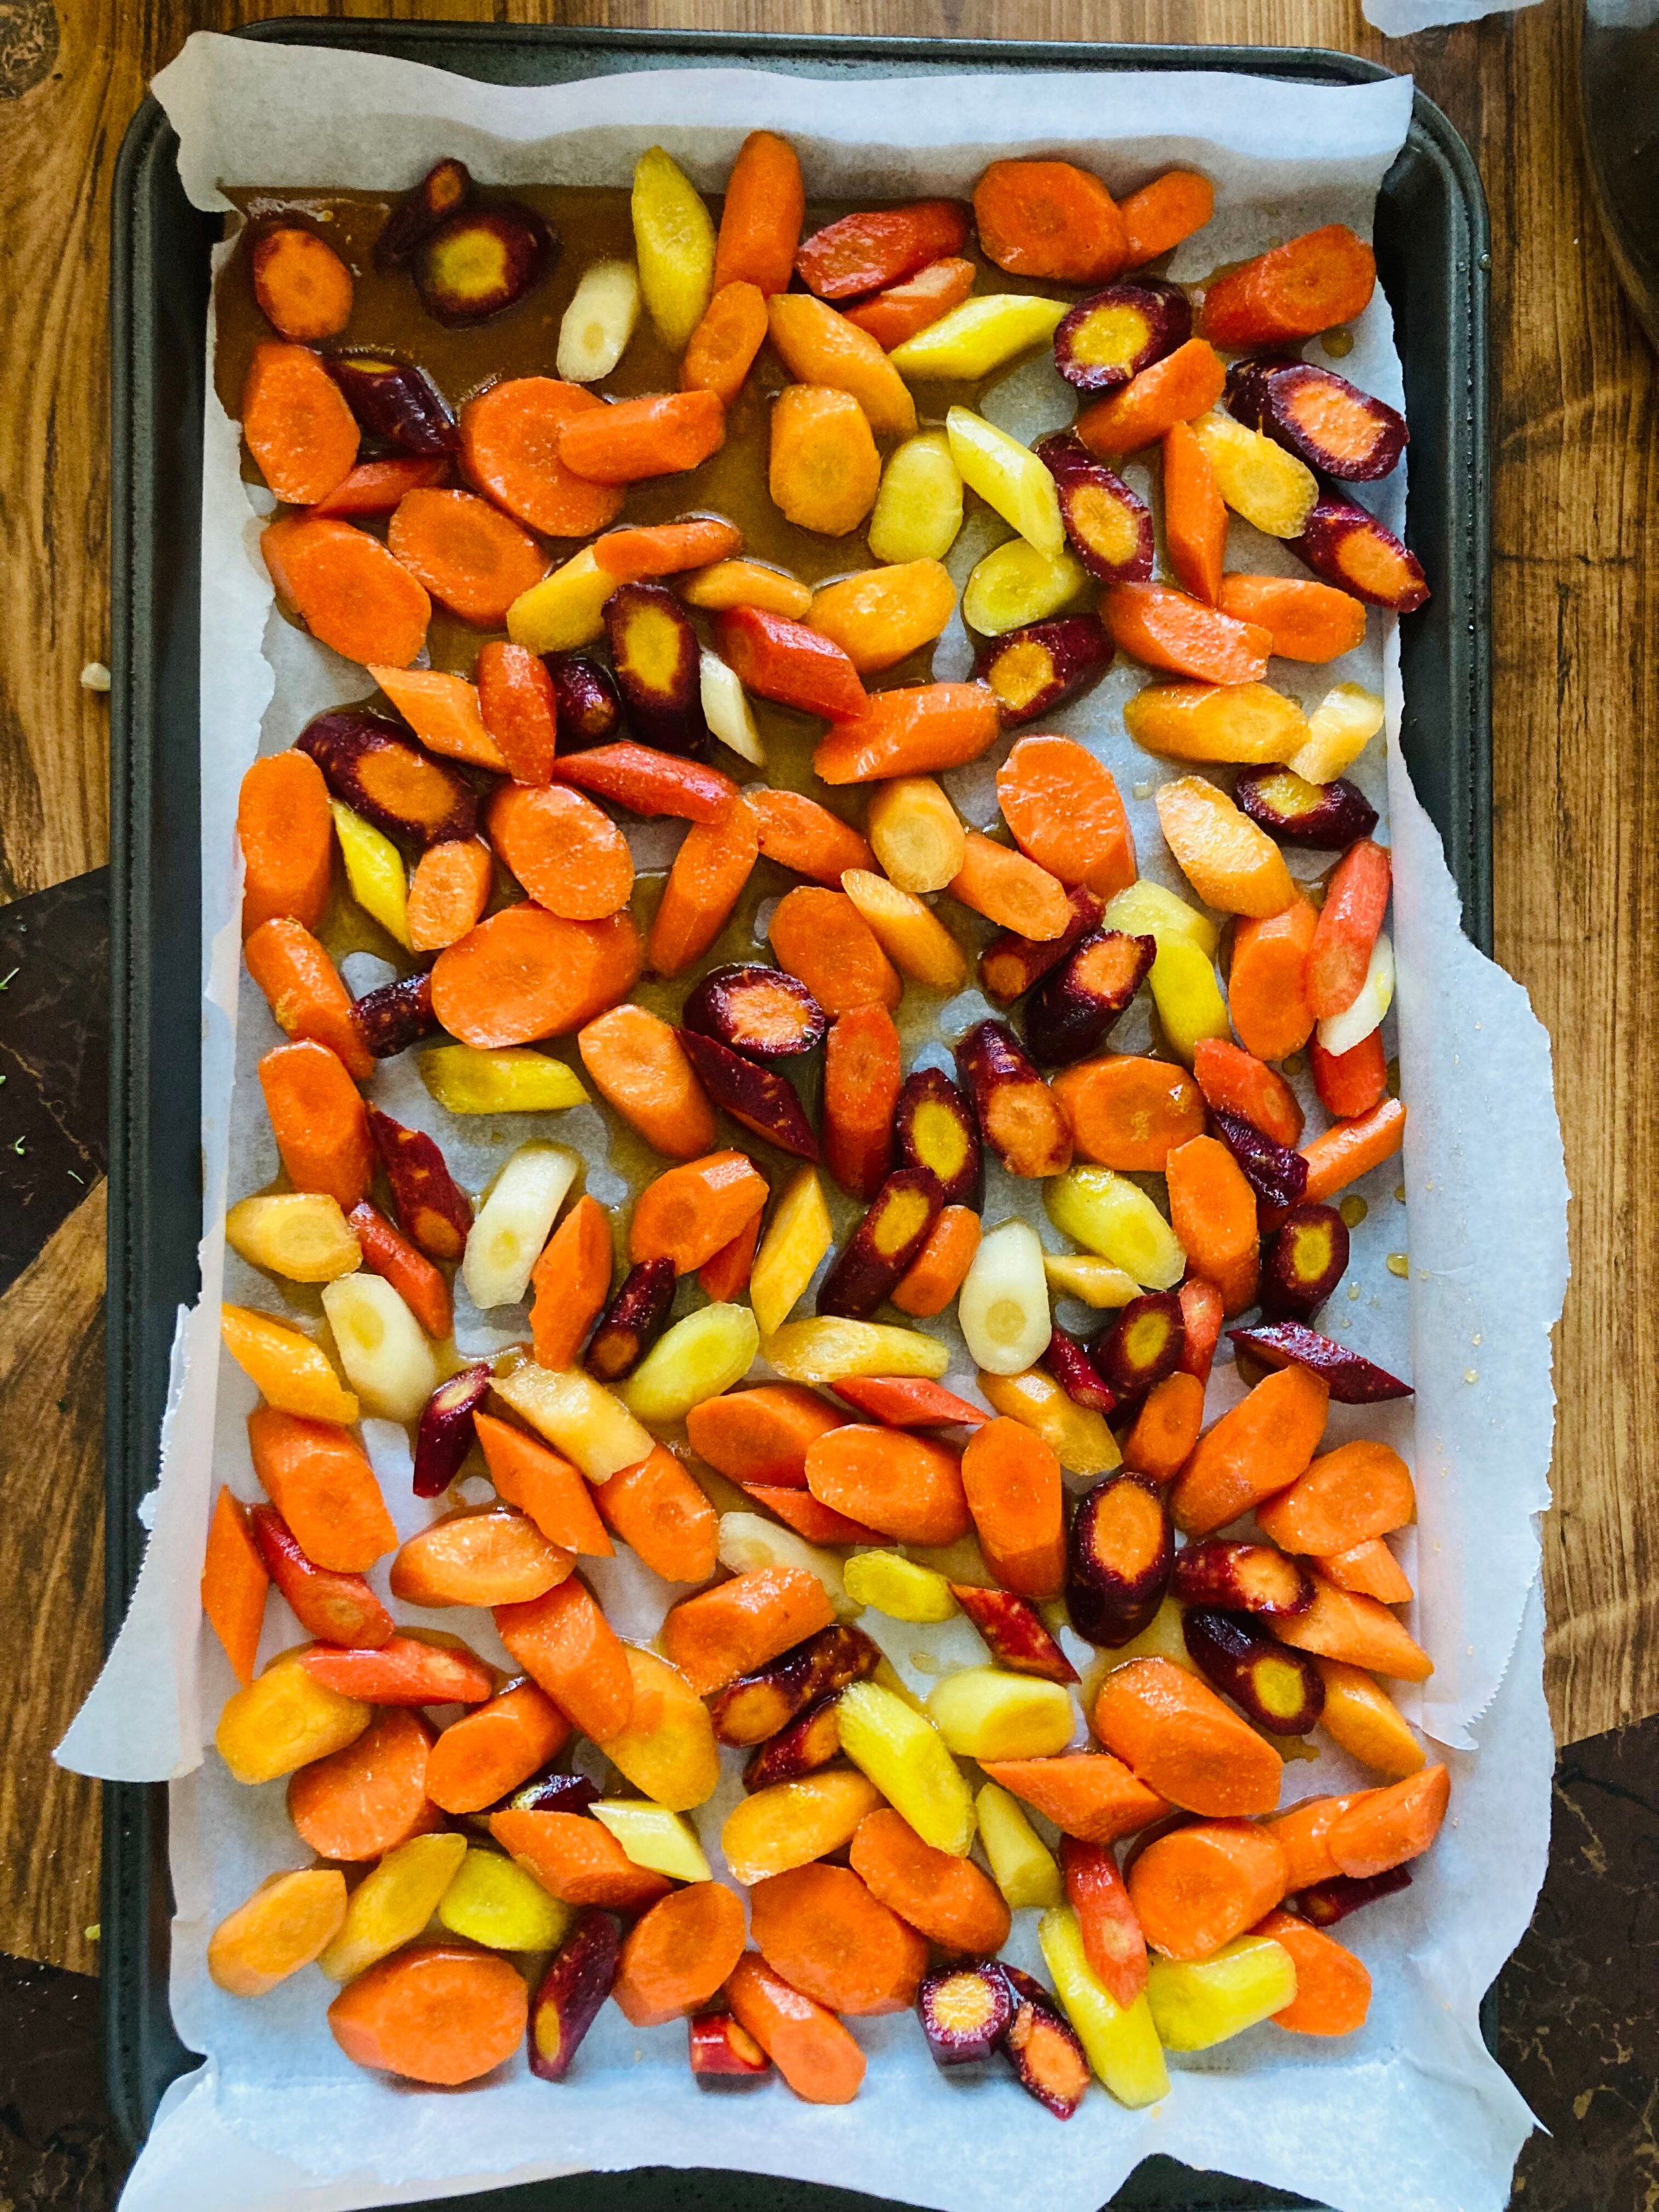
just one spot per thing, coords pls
(1411, 2111)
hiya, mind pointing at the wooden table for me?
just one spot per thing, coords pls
(1576, 792)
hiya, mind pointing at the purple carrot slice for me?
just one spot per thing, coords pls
(762, 1101)
(445, 1433)
(571, 1991)
(1352, 1379)
(395, 1015)
(1325, 1903)
(1276, 1174)
(633, 1320)
(965, 2012)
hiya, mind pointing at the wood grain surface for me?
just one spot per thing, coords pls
(1576, 788)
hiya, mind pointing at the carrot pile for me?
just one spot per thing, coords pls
(1228, 1585)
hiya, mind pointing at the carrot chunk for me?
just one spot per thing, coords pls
(760, 217)
(908, 1486)
(510, 446)
(1184, 385)
(493, 1747)
(1198, 1886)
(1267, 986)
(808, 2045)
(1333, 1988)
(567, 1646)
(304, 289)
(861, 1081)
(305, 994)
(722, 348)
(658, 435)
(715, 862)
(568, 852)
(1012, 1481)
(1213, 1210)
(949, 1901)
(1297, 290)
(911, 731)
(821, 937)
(1260, 1446)
(297, 424)
(1087, 1794)
(467, 553)
(449, 892)
(435, 2013)
(821, 1929)
(539, 1482)
(362, 1801)
(525, 974)
(286, 832)
(1050, 219)
(687, 1215)
(640, 1067)
(679, 1953)
(739, 1625)
(763, 1435)
(233, 1584)
(578, 1860)
(318, 1478)
(1181, 1740)
(318, 1120)
(1161, 213)
(350, 593)
(1130, 1113)
(659, 1511)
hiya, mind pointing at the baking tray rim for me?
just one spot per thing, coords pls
(134, 1814)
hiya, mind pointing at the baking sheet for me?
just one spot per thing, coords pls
(1473, 1061)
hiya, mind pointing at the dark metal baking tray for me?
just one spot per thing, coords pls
(1431, 252)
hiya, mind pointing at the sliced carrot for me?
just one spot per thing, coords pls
(1360, 1489)
(1347, 1149)
(821, 349)
(387, 1252)
(799, 1510)
(318, 1120)
(449, 892)
(1359, 1631)
(1361, 1717)
(665, 549)
(1303, 1834)
(1308, 285)
(443, 713)
(570, 1284)
(658, 436)
(362, 1801)
(823, 469)
(820, 1927)
(687, 1213)
(1012, 1482)
(639, 1067)
(1194, 521)
(910, 1401)
(936, 1274)
(467, 553)
(1050, 219)
(1356, 899)
(739, 1625)
(433, 2012)
(1161, 213)
(1349, 1083)
(404, 1670)
(1200, 1885)
(1185, 384)
(715, 862)
(478, 1556)
(659, 1511)
(567, 1646)
(1087, 1794)
(648, 783)
(525, 974)
(568, 852)
(347, 588)
(286, 833)
(1333, 1988)
(1067, 814)
(1266, 987)
(910, 731)
(375, 487)
(1010, 890)
(823, 940)
(862, 1076)
(746, 584)
(510, 448)
(678, 1954)
(808, 2045)
(1234, 1081)
(804, 838)
(949, 1901)
(1202, 1315)
(899, 312)
(1113, 1940)
(318, 1478)
(1382, 1828)
(297, 424)
(1170, 630)
(1371, 1569)
(577, 1859)
(1213, 1210)
(1306, 621)
(1259, 1446)
(517, 706)
(763, 1435)
(908, 1487)
(882, 615)
(1181, 1740)
(722, 348)
(761, 217)
(233, 1584)
(859, 254)
(796, 665)
(1166, 1428)
(304, 289)
(540, 1483)
(493, 1747)
(721, 1277)
(305, 994)
(1130, 1113)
